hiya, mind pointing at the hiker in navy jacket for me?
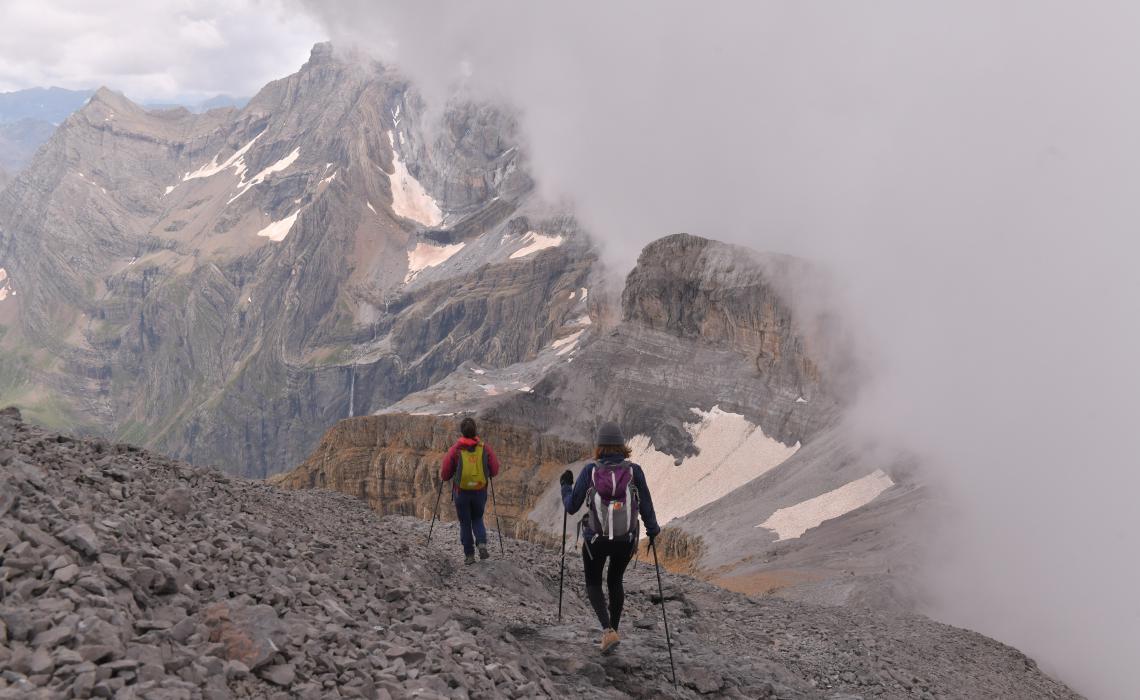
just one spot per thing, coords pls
(612, 466)
(470, 496)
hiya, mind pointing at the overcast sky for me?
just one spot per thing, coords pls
(152, 51)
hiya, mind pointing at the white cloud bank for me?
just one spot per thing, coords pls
(153, 51)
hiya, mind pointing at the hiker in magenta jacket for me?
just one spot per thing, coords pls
(610, 450)
(470, 503)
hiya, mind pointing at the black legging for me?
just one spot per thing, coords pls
(594, 555)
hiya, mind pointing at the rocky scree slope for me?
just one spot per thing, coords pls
(126, 574)
(226, 286)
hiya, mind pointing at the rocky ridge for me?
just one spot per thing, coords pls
(125, 574)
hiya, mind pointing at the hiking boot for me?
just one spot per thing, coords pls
(610, 639)
(483, 553)
(469, 559)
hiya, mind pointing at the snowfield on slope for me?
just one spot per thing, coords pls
(236, 161)
(5, 285)
(793, 521)
(733, 451)
(259, 178)
(409, 198)
(426, 255)
(534, 242)
(278, 230)
(566, 345)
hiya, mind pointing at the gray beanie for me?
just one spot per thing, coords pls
(610, 434)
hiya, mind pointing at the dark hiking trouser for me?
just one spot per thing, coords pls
(594, 555)
(469, 506)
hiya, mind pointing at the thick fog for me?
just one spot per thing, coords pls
(971, 172)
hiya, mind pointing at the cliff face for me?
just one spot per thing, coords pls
(703, 324)
(392, 462)
(226, 286)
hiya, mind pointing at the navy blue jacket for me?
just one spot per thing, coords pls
(574, 497)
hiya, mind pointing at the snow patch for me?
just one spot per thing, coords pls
(793, 521)
(277, 230)
(409, 198)
(567, 344)
(478, 371)
(733, 451)
(534, 242)
(372, 208)
(168, 190)
(212, 168)
(5, 285)
(801, 400)
(426, 255)
(585, 293)
(266, 172)
(330, 178)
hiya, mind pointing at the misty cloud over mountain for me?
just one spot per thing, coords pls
(969, 174)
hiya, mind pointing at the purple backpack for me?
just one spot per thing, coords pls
(613, 501)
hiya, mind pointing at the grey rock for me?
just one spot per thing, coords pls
(66, 574)
(41, 662)
(281, 675)
(83, 685)
(236, 670)
(149, 625)
(53, 637)
(18, 623)
(82, 539)
(177, 501)
(182, 631)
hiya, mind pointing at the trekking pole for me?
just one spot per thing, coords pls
(498, 525)
(435, 512)
(661, 592)
(562, 569)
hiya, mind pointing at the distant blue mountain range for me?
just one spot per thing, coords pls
(29, 117)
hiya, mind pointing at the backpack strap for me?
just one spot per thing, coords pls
(591, 513)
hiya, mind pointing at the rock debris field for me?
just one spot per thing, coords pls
(124, 574)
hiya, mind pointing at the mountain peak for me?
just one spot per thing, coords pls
(322, 52)
(114, 100)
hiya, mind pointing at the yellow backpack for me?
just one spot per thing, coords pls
(472, 473)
